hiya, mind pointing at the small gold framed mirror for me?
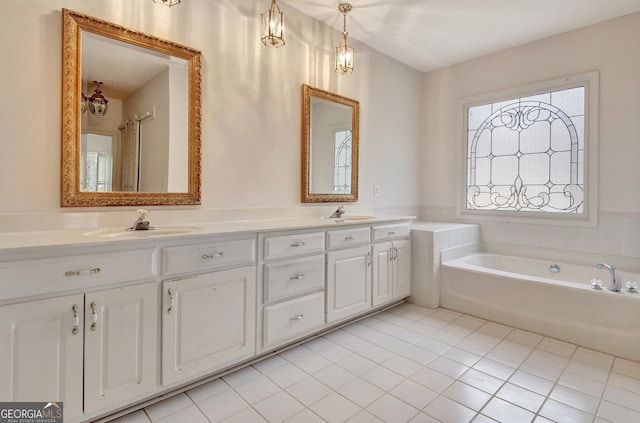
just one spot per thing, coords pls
(131, 117)
(330, 137)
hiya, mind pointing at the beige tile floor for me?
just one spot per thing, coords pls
(412, 364)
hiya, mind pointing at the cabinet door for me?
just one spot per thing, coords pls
(41, 353)
(348, 282)
(120, 345)
(208, 322)
(402, 269)
(382, 273)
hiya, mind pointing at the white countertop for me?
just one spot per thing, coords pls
(13, 241)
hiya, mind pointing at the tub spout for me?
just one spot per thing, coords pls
(616, 278)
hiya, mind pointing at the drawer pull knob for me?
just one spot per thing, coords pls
(297, 277)
(350, 238)
(82, 272)
(212, 256)
(172, 298)
(94, 316)
(298, 244)
(76, 319)
(296, 317)
(392, 232)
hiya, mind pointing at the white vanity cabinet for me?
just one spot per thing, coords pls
(391, 263)
(208, 319)
(292, 286)
(96, 348)
(120, 353)
(41, 352)
(348, 272)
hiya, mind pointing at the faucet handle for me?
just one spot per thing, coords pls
(142, 213)
(632, 286)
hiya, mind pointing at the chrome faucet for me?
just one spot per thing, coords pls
(616, 278)
(141, 224)
(338, 213)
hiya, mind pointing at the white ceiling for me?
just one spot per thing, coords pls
(430, 34)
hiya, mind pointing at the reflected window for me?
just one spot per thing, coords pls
(97, 163)
(342, 161)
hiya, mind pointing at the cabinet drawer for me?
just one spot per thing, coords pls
(397, 230)
(293, 245)
(347, 237)
(29, 277)
(213, 255)
(285, 320)
(286, 279)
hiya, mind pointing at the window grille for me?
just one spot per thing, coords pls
(342, 161)
(527, 153)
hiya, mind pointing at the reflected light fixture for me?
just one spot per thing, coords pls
(98, 105)
(167, 2)
(273, 26)
(344, 52)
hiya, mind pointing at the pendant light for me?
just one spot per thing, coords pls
(98, 105)
(273, 26)
(344, 52)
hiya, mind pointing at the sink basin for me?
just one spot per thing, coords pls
(345, 218)
(157, 231)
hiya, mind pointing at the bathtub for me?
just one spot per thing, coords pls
(525, 293)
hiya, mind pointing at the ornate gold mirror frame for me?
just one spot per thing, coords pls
(351, 111)
(74, 24)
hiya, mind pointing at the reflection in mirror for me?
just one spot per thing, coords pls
(329, 147)
(143, 146)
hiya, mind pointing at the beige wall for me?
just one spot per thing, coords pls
(251, 122)
(610, 48)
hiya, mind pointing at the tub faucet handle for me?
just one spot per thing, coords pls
(596, 284)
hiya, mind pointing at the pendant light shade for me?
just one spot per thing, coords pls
(273, 26)
(167, 2)
(98, 105)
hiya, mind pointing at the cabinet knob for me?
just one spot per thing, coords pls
(298, 276)
(296, 317)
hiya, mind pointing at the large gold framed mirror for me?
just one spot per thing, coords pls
(131, 117)
(330, 136)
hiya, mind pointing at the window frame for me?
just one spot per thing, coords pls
(589, 216)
